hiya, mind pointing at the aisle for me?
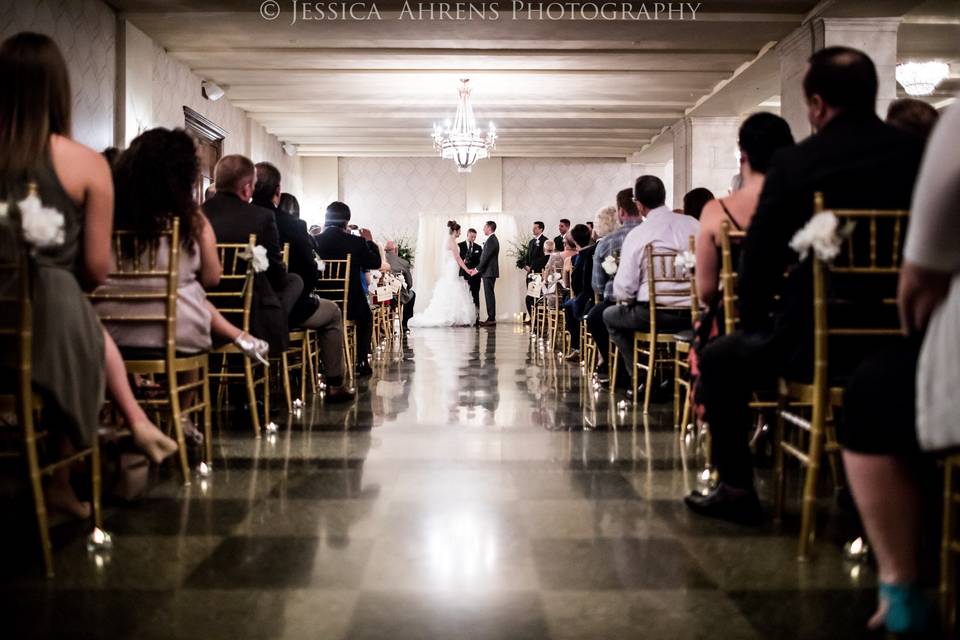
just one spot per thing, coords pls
(461, 497)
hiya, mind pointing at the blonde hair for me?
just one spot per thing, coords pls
(549, 246)
(606, 221)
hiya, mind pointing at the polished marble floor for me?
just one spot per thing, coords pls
(476, 489)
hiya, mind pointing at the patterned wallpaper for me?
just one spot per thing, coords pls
(552, 188)
(85, 31)
(388, 194)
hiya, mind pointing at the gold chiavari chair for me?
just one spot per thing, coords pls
(681, 362)
(138, 263)
(233, 297)
(728, 275)
(334, 284)
(652, 348)
(298, 356)
(17, 396)
(866, 269)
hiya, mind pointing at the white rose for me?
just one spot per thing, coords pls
(42, 226)
(609, 265)
(685, 262)
(821, 235)
(257, 255)
(321, 265)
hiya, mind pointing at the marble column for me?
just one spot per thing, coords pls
(704, 155)
(877, 37)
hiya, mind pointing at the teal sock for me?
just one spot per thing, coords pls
(908, 611)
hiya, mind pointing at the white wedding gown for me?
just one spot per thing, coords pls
(451, 304)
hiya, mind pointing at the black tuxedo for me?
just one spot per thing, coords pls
(336, 244)
(536, 258)
(275, 291)
(558, 243)
(856, 161)
(471, 257)
(300, 260)
(536, 261)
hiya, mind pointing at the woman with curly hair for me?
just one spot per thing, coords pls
(155, 179)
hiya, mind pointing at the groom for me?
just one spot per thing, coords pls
(489, 269)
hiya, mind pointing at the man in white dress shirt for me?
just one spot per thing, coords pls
(665, 231)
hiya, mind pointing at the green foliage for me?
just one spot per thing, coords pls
(405, 249)
(518, 250)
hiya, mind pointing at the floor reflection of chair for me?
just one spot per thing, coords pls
(233, 297)
(20, 398)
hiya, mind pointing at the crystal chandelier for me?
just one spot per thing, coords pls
(464, 143)
(921, 78)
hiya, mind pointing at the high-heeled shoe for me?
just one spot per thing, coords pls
(253, 348)
(908, 610)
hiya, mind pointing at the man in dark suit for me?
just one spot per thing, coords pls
(233, 219)
(536, 260)
(563, 227)
(581, 286)
(470, 253)
(489, 270)
(856, 161)
(309, 311)
(336, 243)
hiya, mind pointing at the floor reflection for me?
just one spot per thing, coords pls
(480, 486)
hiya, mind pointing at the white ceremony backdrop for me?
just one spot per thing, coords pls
(431, 233)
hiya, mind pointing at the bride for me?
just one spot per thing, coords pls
(451, 304)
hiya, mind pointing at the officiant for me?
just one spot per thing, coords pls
(470, 252)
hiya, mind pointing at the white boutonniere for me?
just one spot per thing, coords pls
(42, 226)
(257, 255)
(685, 262)
(610, 265)
(321, 265)
(822, 236)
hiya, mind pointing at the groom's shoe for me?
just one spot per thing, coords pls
(488, 323)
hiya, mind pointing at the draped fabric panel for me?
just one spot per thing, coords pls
(431, 233)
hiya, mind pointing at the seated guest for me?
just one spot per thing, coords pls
(856, 161)
(556, 278)
(608, 247)
(290, 205)
(336, 243)
(913, 116)
(309, 311)
(695, 200)
(882, 440)
(760, 136)
(155, 179)
(662, 230)
(233, 219)
(581, 288)
(74, 360)
(401, 267)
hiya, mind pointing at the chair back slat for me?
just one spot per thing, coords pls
(333, 282)
(665, 279)
(145, 272)
(233, 297)
(730, 242)
(854, 298)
